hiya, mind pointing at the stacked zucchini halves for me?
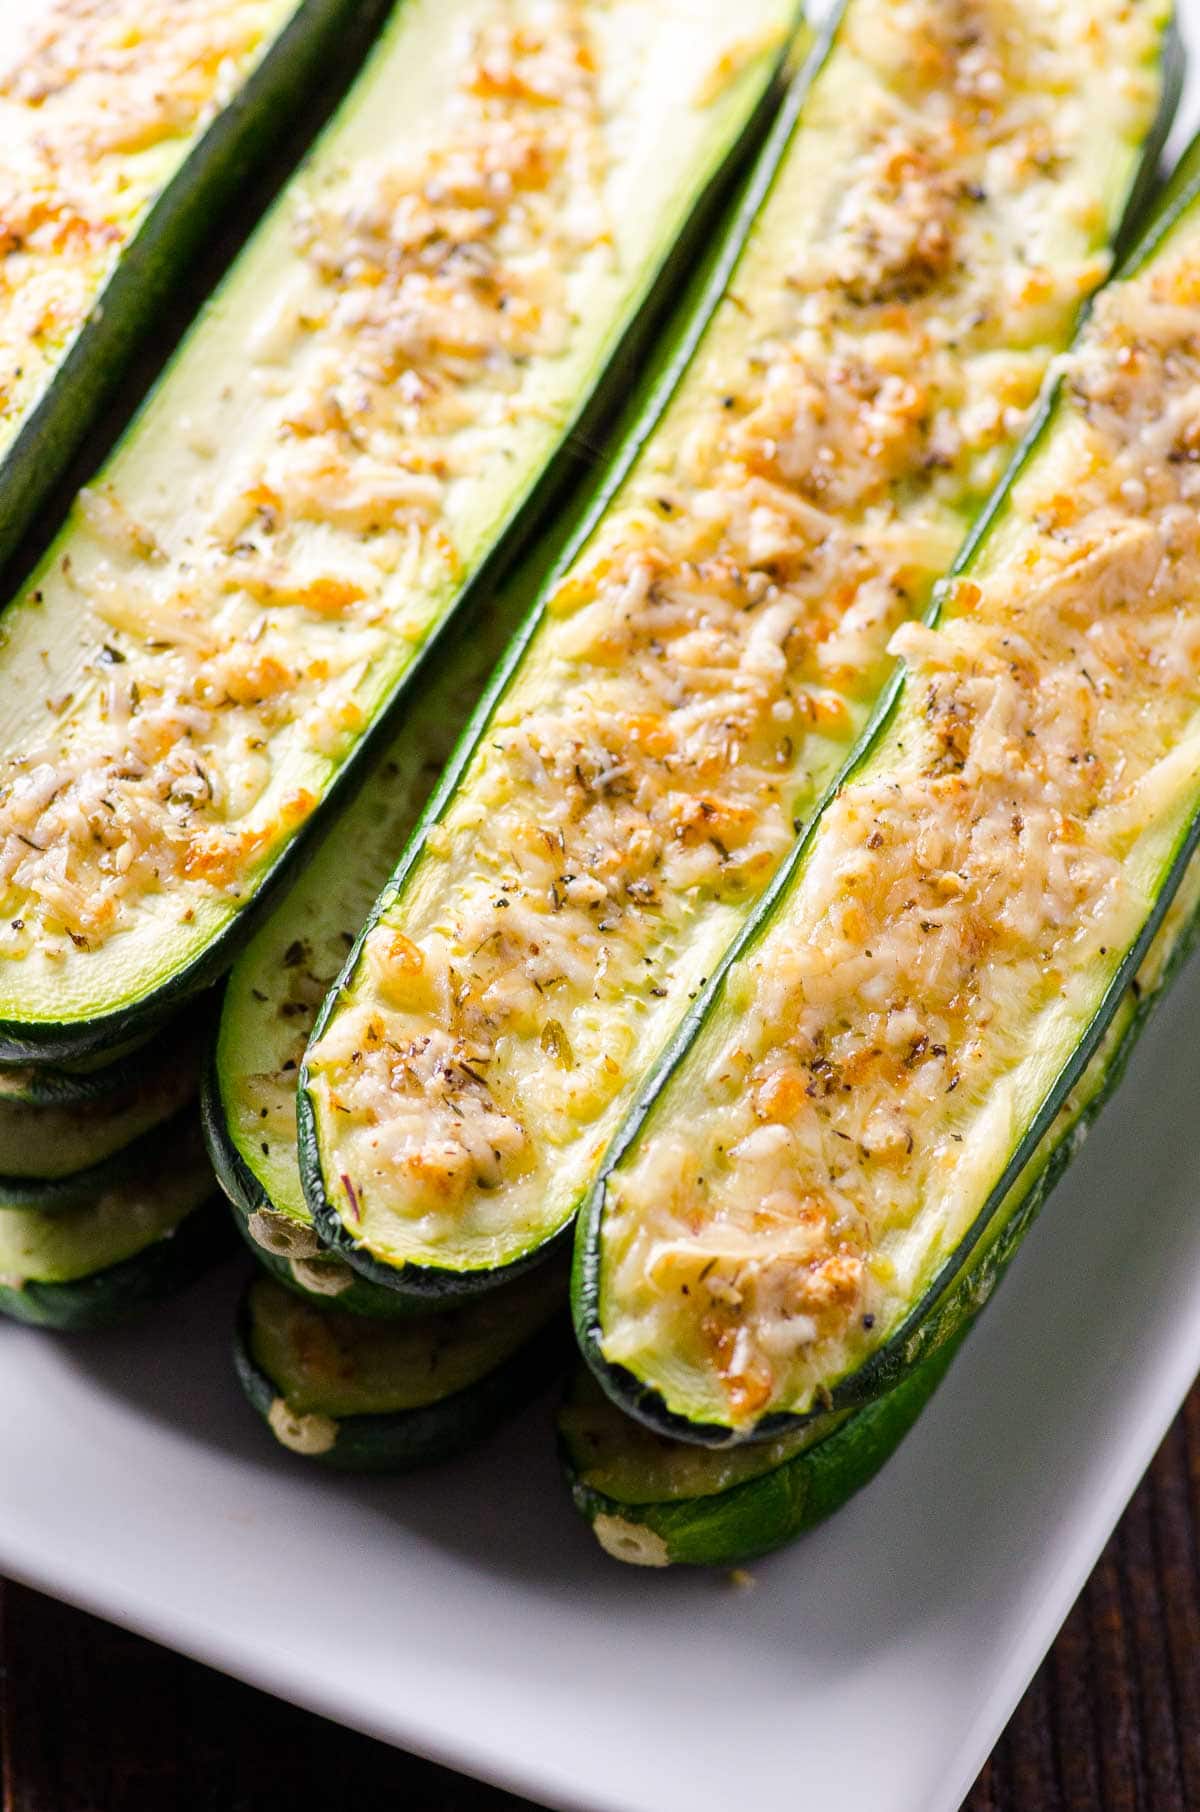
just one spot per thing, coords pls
(672, 712)
(944, 956)
(799, 974)
(106, 1199)
(930, 215)
(332, 1380)
(407, 349)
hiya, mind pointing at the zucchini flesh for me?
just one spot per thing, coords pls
(371, 1396)
(1041, 742)
(653, 1500)
(407, 349)
(683, 692)
(94, 1264)
(124, 130)
(54, 1139)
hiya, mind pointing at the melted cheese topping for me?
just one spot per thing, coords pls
(958, 918)
(705, 663)
(98, 108)
(402, 347)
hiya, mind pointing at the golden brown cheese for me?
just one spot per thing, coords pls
(97, 107)
(712, 652)
(963, 907)
(424, 286)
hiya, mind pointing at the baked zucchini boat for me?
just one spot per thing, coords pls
(352, 440)
(248, 1099)
(653, 1500)
(936, 203)
(367, 1396)
(124, 129)
(789, 1220)
(96, 1263)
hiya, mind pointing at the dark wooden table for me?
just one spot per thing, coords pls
(92, 1720)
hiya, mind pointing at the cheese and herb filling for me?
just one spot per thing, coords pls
(875, 1060)
(942, 209)
(336, 449)
(100, 102)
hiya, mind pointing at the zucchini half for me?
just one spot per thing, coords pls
(653, 1500)
(690, 682)
(1051, 709)
(126, 130)
(366, 1396)
(355, 438)
(58, 1136)
(248, 1099)
(95, 1264)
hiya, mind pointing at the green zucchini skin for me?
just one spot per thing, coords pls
(424, 1285)
(962, 1284)
(1152, 191)
(171, 234)
(703, 292)
(117, 1294)
(50, 1041)
(754, 1518)
(417, 1437)
(444, 1286)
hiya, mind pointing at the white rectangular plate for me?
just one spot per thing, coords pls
(468, 1615)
